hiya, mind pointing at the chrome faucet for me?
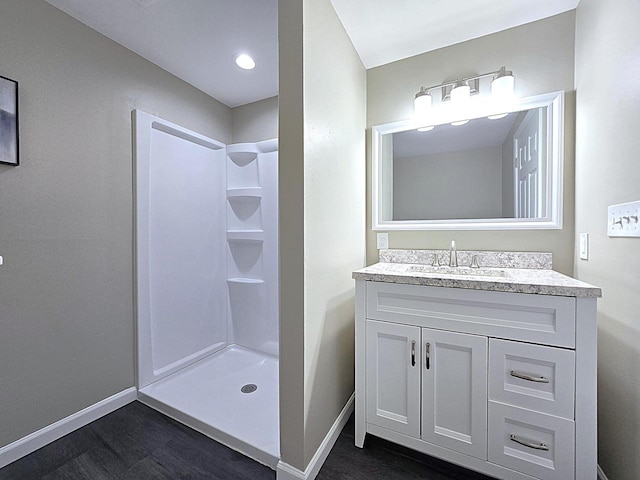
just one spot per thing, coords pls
(453, 254)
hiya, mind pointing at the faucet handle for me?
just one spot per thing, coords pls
(474, 262)
(436, 260)
(453, 254)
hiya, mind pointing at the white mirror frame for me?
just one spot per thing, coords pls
(443, 115)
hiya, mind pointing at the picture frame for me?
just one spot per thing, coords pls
(9, 131)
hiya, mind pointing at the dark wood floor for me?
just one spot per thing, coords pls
(384, 460)
(137, 443)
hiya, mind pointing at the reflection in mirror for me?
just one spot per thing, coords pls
(501, 172)
(482, 169)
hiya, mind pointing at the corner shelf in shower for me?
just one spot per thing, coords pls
(245, 236)
(249, 192)
(246, 281)
(242, 158)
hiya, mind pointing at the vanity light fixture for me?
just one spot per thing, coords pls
(502, 88)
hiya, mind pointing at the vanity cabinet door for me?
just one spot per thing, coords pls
(393, 376)
(454, 391)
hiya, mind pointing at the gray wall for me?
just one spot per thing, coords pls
(541, 55)
(322, 227)
(334, 186)
(66, 288)
(607, 173)
(255, 121)
(291, 231)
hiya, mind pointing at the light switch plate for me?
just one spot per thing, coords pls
(382, 240)
(584, 246)
(624, 220)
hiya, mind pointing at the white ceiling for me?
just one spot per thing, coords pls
(197, 40)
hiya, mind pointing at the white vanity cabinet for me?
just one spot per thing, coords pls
(502, 383)
(446, 406)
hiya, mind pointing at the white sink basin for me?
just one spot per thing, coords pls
(467, 271)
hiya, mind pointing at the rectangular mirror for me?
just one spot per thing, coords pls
(498, 168)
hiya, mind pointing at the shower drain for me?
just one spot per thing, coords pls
(249, 388)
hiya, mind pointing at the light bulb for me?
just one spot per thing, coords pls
(426, 129)
(422, 103)
(498, 116)
(459, 122)
(503, 84)
(245, 62)
(460, 93)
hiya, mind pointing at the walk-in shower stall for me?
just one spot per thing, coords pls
(207, 279)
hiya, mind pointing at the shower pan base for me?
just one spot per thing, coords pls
(209, 397)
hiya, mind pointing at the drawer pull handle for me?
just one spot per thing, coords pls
(536, 446)
(530, 378)
(413, 353)
(428, 355)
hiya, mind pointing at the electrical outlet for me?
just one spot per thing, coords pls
(624, 220)
(584, 246)
(382, 240)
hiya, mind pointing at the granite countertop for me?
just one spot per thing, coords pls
(515, 280)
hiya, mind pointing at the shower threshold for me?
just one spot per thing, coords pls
(230, 396)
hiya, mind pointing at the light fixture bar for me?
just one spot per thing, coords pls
(502, 73)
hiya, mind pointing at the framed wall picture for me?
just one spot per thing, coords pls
(9, 148)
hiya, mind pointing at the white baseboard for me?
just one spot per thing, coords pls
(601, 474)
(287, 472)
(32, 442)
(284, 471)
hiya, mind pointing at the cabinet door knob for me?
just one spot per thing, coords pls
(428, 356)
(530, 378)
(536, 446)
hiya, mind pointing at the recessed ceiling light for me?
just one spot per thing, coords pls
(245, 62)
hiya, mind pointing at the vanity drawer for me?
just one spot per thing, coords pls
(529, 442)
(532, 376)
(531, 318)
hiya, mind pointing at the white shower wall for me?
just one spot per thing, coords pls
(207, 246)
(186, 256)
(180, 255)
